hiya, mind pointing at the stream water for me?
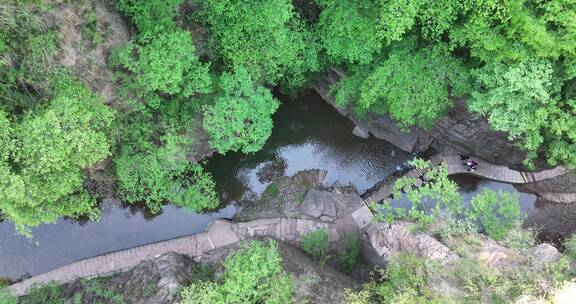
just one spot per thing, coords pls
(308, 134)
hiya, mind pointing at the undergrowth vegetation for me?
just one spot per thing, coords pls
(437, 200)
(253, 274)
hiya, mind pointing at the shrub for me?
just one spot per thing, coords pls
(272, 189)
(150, 15)
(441, 190)
(497, 212)
(349, 257)
(44, 155)
(570, 247)
(316, 244)
(253, 274)
(452, 227)
(49, 293)
(7, 297)
(519, 238)
(404, 281)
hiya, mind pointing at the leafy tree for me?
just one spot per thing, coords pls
(441, 190)
(253, 274)
(45, 154)
(164, 174)
(150, 15)
(241, 118)
(264, 36)
(412, 85)
(347, 31)
(523, 99)
(497, 212)
(163, 62)
(517, 30)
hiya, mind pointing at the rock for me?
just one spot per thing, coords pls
(155, 281)
(312, 282)
(545, 253)
(221, 233)
(319, 204)
(466, 132)
(382, 241)
(360, 132)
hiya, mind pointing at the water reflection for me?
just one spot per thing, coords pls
(307, 134)
(66, 241)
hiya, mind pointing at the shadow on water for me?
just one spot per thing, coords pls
(307, 134)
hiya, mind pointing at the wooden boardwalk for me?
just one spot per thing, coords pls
(484, 169)
(500, 173)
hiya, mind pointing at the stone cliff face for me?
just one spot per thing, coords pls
(459, 130)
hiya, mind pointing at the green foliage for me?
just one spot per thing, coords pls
(7, 297)
(316, 244)
(523, 100)
(412, 85)
(496, 31)
(272, 189)
(349, 256)
(453, 227)
(253, 274)
(265, 37)
(49, 293)
(241, 117)
(90, 29)
(164, 174)
(45, 154)
(519, 238)
(497, 212)
(411, 279)
(441, 190)
(346, 31)
(150, 15)
(570, 247)
(405, 281)
(165, 63)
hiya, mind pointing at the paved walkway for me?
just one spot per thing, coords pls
(219, 233)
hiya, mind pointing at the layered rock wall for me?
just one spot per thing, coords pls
(460, 130)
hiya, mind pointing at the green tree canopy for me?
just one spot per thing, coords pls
(264, 36)
(163, 63)
(150, 15)
(523, 99)
(43, 157)
(241, 118)
(253, 274)
(412, 85)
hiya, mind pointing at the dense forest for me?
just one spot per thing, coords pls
(211, 65)
(197, 77)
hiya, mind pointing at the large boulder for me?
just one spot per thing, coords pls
(381, 241)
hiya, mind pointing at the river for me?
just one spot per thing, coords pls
(307, 134)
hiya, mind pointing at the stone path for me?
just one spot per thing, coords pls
(219, 233)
